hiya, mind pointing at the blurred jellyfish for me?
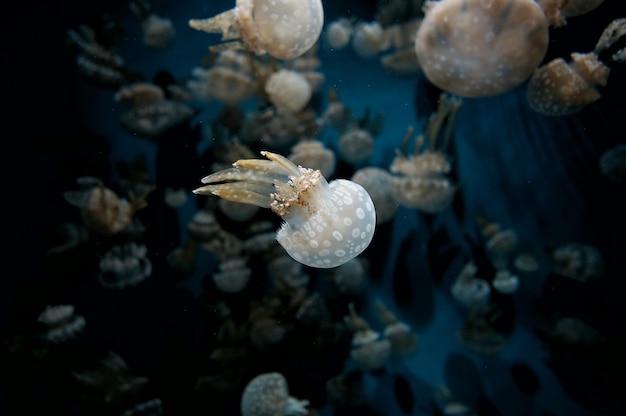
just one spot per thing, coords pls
(337, 115)
(313, 154)
(288, 90)
(124, 265)
(61, 324)
(578, 261)
(422, 182)
(469, 290)
(505, 282)
(102, 210)
(356, 145)
(479, 48)
(338, 33)
(175, 198)
(526, 262)
(151, 113)
(94, 61)
(268, 395)
(404, 341)
(613, 163)
(229, 80)
(284, 30)
(574, 332)
(351, 278)
(237, 211)
(369, 350)
(158, 32)
(233, 275)
(286, 269)
(368, 39)
(377, 182)
(560, 88)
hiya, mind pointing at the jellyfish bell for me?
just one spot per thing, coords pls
(283, 29)
(561, 88)
(480, 48)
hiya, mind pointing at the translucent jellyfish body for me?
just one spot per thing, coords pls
(369, 350)
(325, 224)
(421, 181)
(61, 323)
(102, 210)
(560, 88)
(338, 33)
(356, 145)
(313, 154)
(377, 182)
(268, 395)
(613, 163)
(284, 29)
(479, 48)
(288, 90)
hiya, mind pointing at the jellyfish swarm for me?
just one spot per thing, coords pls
(326, 224)
(560, 88)
(283, 29)
(480, 48)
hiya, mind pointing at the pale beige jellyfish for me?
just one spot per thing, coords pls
(283, 29)
(560, 88)
(479, 48)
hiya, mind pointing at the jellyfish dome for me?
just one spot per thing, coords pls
(480, 48)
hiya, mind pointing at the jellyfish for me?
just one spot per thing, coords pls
(313, 154)
(283, 29)
(288, 90)
(480, 48)
(268, 394)
(325, 224)
(560, 88)
(613, 163)
(421, 180)
(369, 350)
(158, 32)
(338, 33)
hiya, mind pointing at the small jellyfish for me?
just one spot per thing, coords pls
(158, 32)
(124, 265)
(356, 145)
(480, 48)
(268, 395)
(351, 277)
(288, 90)
(369, 350)
(469, 290)
(233, 275)
(613, 163)
(368, 39)
(102, 210)
(505, 282)
(560, 88)
(420, 181)
(578, 261)
(325, 224)
(377, 182)
(338, 33)
(313, 154)
(283, 29)
(61, 323)
(404, 341)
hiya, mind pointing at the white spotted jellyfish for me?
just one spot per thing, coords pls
(284, 29)
(325, 224)
(560, 88)
(480, 48)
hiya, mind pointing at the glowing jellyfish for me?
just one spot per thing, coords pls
(560, 88)
(288, 90)
(283, 29)
(326, 224)
(480, 48)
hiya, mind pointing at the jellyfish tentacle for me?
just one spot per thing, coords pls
(615, 30)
